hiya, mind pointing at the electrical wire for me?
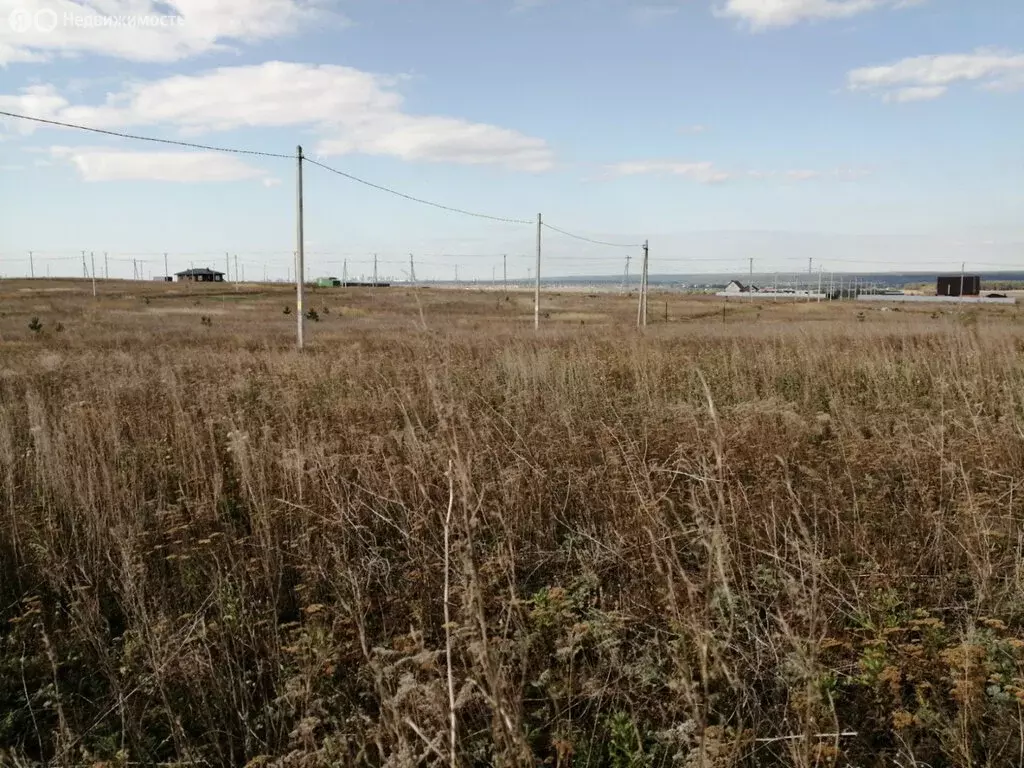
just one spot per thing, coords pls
(174, 142)
(589, 240)
(420, 200)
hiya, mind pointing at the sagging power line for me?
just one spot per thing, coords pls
(174, 142)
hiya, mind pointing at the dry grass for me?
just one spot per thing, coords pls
(774, 535)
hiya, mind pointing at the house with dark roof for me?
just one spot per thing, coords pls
(201, 275)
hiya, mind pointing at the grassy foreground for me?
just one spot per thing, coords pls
(777, 536)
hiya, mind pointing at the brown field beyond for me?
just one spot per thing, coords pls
(758, 533)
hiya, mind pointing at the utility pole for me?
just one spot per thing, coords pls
(456, 274)
(775, 292)
(641, 310)
(375, 271)
(166, 271)
(625, 277)
(31, 265)
(243, 273)
(504, 271)
(810, 271)
(412, 270)
(135, 269)
(647, 283)
(819, 283)
(300, 255)
(92, 258)
(536, 289)
(494, 280)
(85, 270)
(344, 272)
(963, 266)
(106, 267)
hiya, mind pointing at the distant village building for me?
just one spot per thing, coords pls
(201, 275)
(950, 285)
(737, 287)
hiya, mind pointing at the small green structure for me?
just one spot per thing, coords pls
(328, 282)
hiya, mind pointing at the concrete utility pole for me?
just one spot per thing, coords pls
(819, 283)
(647, 281)
(504, 271)
(300, 254)
(92, 258)
(625, 276)
(167, 272)
(536, 289)
(375, 271)
(344, 272)
(456, 274)
(31, 265)
(641, 310)
(85, 270)
(412, 270)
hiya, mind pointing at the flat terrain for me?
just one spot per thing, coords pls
(758, 533)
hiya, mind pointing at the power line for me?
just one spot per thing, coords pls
(104, 132)
(448, 208)
(589, 240)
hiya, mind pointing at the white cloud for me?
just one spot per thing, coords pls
(101, 164)
(702, 172)
(709, 173)
(798, 175)
(350, 111)
(761, 15)
(921, 78)
(916, 93)
(146, 30)
(441, 139)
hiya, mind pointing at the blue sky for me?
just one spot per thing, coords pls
(860, 133)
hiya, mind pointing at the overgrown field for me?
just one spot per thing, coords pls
(782, 535)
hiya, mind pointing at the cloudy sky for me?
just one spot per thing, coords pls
(859, 133)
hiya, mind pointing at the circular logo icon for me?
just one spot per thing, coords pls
(46, 20)
(20, 20)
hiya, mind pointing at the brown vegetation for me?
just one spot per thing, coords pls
(755, 535)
